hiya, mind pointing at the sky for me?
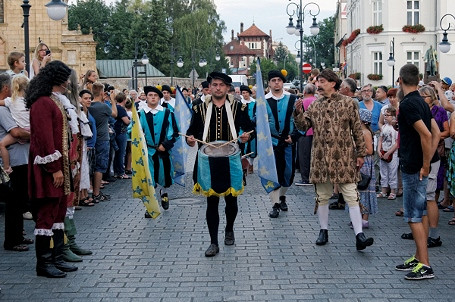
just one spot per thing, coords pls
(267, 15)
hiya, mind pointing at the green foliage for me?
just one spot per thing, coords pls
(285, 60)
(266, 66)
(323, 43)
(163, 29)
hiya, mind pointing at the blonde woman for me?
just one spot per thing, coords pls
(41, 57)
(89, 78)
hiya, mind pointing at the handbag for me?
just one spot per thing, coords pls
(4, 177)
(388, 159)
(365, 181)
(441, 149)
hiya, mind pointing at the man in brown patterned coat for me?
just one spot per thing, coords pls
(337, 152)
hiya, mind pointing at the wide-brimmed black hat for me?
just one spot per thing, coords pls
(220, 76)
(148, 89)
(276, 74)
(245, 88)
(166, 88)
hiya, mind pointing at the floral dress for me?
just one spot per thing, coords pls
(368, 199)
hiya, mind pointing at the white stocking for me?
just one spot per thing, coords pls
(356, 219)
(323, 215)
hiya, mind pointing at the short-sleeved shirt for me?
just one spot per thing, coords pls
(120, 126)
(18, 152)
(412, 109)
(92, 141)
(101, 113)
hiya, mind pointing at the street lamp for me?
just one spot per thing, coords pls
(444, 46)
(391, 60)
(299, 11)
(323, 65)
(202, 62)
(56, 10)
(144, 62)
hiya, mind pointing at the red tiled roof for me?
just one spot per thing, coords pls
(253, 31)
(235, 48)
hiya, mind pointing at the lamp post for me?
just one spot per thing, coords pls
(144, 62)
(202, 63)
(299, 11)
(391, 60)
(444, 46)
(56, 10)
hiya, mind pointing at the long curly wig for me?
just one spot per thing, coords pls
(53, 74)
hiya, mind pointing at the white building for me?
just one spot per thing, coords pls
(368, 53)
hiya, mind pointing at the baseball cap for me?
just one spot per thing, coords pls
(447, 81)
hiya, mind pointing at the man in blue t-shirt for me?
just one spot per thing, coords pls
(419, 137)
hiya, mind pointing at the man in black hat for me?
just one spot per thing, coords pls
(167, 101)
(284, 136)
(223, 108)
(205, 91)
(250, 147)
(157, 123)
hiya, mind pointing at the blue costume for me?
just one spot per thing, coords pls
(157, 125)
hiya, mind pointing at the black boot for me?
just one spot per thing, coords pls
(44, 264)
(275, 211)
(164, 201)
(362, 242)
(57, 253)
(283, 205)
(323, 237)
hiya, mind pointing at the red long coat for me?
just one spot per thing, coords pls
(48, 149)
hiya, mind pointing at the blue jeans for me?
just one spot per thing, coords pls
(414, 197)
(119, 160)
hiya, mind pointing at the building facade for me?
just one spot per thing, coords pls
(240, 52)
(376, 28)
(71, 47)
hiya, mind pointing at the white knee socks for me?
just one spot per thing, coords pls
(356, 219)
(323, 215)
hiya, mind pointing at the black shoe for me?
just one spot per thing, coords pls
(147, 215)
(110, 179)
(229, 238)
(283, 205)
(434, 242)
(212, 250)
(165, 201)
(362, 242)
(323, 237)
(275, 211)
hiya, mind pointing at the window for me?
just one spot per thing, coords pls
(252, 45)
(377, 12)
(377, 62)
(413, 57)
(2, 14)
(413, 12)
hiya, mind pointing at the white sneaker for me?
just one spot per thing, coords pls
(27, 216)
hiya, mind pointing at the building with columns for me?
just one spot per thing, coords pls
(365, 49)
(71, 47)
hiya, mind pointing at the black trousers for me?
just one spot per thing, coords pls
(16, 199)
(304, 152)
(213, 217)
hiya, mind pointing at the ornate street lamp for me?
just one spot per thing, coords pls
(299, 11)
(444, 46)
(391, 60)
(56, 9)
(144, 62)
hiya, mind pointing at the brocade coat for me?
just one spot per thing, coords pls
(337, 139)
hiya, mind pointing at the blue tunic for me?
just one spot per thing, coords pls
(158, 130)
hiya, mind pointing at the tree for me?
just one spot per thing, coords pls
(323, 43)
(91, 14)
(285, 60)
(266, 66)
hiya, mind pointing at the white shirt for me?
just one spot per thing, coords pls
(270, 95)
(171, 102)
(157, 109)
(247, 102)
(18, 111)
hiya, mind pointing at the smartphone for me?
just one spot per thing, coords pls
(48, 52)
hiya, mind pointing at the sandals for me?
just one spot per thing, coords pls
(86, 202)
(400, 193)
(27, 241)
(18, 248)
(392, 196)
(399, 213)
(381, 195)
(448, 209)
(124, 176)
(452, 221)
(407, 236)
(101, 197)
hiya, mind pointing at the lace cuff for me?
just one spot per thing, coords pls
(48, 158)
(43, 232)
(58, 226)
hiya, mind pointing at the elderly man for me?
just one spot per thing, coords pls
(338, 149)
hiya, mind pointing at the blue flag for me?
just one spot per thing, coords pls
(266, 158)
(180, 150)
